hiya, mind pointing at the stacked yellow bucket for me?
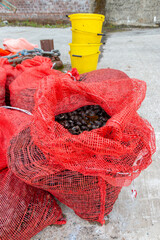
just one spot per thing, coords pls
(86, 40)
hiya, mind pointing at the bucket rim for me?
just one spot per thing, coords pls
(86, 15)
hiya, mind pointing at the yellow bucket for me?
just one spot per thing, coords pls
(84, 49)
(86, 37)
(87, 21)
(84, 63)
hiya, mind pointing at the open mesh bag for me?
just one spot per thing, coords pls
(87, 171)
(11, 122)
(24, 210)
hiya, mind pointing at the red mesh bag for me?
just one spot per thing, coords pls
(22, 90)
(37, 61)
(86, 171)
(26, 210)
(102, 75)
(13, 72)
(2, 86)
(90, 197)
(11, 122)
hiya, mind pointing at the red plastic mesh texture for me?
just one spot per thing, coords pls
(89, 196)
(22, 90)
(118, 151)
(13, 72)
(24, 210)
(2, 86)
(11, 122)
(102, 75)
(37, 61)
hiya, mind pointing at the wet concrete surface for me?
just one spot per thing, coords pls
(137, 53)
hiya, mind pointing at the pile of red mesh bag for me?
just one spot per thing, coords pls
(86, 171)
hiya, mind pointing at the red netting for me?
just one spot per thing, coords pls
(86, 171)
(2, 86)
(112, 150)
(23, 88)
(11, 122)
(26, 210)
(37, 61)
(103, 75)
(89, 196)
(12, 73)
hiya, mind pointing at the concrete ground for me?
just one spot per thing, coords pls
(137, 53)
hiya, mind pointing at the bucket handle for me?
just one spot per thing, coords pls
(101, 34)
(74, 55)
(98, 34)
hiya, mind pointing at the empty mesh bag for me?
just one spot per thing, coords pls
(24, 210)
(86, 171)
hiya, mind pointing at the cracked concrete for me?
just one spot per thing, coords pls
(137, 53)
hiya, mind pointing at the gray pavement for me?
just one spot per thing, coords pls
(137, 53)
